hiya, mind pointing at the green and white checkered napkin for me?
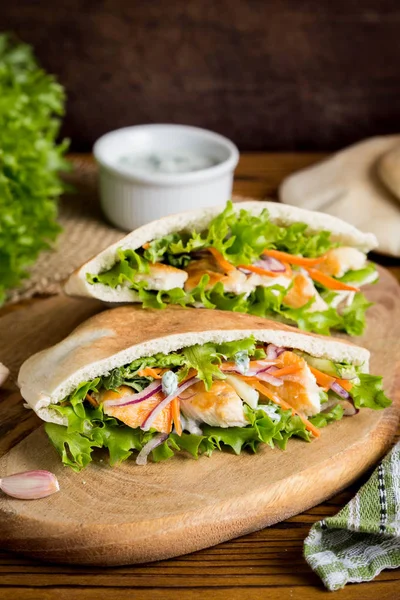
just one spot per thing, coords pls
(364, 537)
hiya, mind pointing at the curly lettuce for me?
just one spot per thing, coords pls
(76, 443)
(31, 106)
(368, 392)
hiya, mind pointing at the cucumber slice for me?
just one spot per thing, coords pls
(322, 364)
(331, 368)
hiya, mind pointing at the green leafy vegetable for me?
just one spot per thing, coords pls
(324, 418)
(353, 317)
(369, 392)
(76, 448)
(368, 274)
(31, 104)
(206, 361)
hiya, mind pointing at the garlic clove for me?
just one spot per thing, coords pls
(30, 485)
(4, 373)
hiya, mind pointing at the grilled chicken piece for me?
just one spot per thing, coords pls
(220, 407)
(163, 277)
(340, 260)
(302, 291)
(265, 281)
(133, 415)
(300, 389)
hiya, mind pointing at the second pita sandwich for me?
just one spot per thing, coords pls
(155, 383)
(263, 258)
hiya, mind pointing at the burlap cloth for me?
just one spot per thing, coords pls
(85, 233)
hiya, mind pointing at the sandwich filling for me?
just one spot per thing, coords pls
(246, 263)
(209, 397)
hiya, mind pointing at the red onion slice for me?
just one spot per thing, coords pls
(264, 376)
(158, 439)
(268, 263)
(149, 420)
(271, 264)
(338, 389)
(149, 391)
(267, 363)
(273, 352)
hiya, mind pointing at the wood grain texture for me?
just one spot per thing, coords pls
(264, 564)
(129, 514)
(277, 75)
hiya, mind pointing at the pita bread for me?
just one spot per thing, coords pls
(118, 336)
(281, 214)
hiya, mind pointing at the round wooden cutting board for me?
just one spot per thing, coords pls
(130, 514)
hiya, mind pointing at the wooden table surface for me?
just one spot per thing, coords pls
(266, 564)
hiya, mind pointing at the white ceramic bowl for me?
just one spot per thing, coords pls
(131, 198)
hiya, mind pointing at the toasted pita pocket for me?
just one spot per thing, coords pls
(117, 337)
(281, 214)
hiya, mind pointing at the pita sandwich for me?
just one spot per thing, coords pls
(158, 382)
(264, 258)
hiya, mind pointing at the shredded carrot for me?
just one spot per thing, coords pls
(170, 417)
(175, 407)
(275, 398)
(286, 370)
(314, 430)
(326, 381)
(294, 260)
(146, 245)
(91, 400)
(345, 383)
(330, 282)
(323, 379)
(156, 373)
(224, 264)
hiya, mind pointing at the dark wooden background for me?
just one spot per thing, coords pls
(270, 74)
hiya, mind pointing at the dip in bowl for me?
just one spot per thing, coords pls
(150, 171)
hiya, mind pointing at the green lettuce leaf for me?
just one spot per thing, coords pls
(353, 317)
(129, 264)
(317, 321)
(297, 241)
(31, 106)
(323, 419)
(249, 345)
(369, 392)
(206, 360)
(152, 299)
(361, 276)
(76, 447)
